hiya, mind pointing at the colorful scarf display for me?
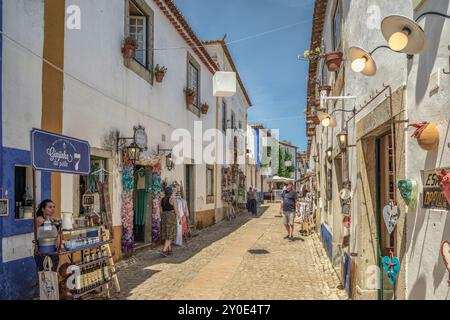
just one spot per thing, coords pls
(156, 195)
(127, 206)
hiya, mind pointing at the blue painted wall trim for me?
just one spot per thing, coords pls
(327, 239)
(2, 284)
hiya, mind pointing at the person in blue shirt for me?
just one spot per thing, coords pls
(288, 204)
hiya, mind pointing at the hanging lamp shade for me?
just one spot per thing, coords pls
(403, 34)
(326, 120)
(362, 61)
(224, 84)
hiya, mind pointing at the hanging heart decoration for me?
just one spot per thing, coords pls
(391, 214)
(408, 191)
(445, 254)
(444, 183)
(392, 268)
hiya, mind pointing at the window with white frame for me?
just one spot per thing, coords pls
(140, 27)
(193, 78)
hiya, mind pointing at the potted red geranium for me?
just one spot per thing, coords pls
(129, 47)
(333, 59)
(160, 72)
(190, 95)
(204, 108)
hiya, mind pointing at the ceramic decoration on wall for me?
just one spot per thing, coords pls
(345, 194)
(408, 191)
(444, 183)
(427, 135)
(391, 214)
(392, 267)
(445, 254)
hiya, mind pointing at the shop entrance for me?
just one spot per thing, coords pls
(385, 188)
(142, 205)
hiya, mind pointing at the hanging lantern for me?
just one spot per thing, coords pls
(133, 152)
(169, 162)
(427, 135)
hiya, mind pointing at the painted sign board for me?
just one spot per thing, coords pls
(57, 153)
(433, 198)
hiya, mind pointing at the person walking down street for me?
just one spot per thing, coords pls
(288, 204)
(168, 221)
(249, 192)
(252, 202)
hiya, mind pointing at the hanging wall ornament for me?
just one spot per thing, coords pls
(427, 135)
(345, 194)
(408, 191)
(444, 183)
(392, 267)
(391, 214)
(445, 254)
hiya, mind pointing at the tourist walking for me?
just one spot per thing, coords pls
(288, 204)
(168, 221)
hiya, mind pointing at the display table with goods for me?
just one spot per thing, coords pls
(91, 267)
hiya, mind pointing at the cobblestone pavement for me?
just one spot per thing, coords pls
(246, 258)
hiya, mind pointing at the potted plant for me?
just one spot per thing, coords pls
(129, 47)
(326, 88)
(160, 72)
(312, 54)
(190, 95)
(333, 59)
(204, 108)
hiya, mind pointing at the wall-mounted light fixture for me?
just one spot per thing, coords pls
(138, 144)
(328, 120)
(329, 154)
(342, 138)
(404, 34)
(170, 164)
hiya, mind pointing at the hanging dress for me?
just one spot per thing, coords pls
(179, 240)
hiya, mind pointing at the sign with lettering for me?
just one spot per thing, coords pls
(433, 197)
(58, 153)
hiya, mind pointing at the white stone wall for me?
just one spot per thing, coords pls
(426, 228)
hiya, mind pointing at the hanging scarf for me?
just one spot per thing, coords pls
(127, 207)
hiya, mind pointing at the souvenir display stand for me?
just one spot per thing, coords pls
(85, 243)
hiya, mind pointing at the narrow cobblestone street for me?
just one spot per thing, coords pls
(246, 258)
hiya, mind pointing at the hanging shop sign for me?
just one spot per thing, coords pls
(58, 153)
(435, 187)
(391, 266)
(391, 214)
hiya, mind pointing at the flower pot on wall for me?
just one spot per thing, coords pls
(444, 183)
(128, 50)
(190, 99)
(325, 88)
(159, 76)
(204, 108)
(333, 60)
(427, 135)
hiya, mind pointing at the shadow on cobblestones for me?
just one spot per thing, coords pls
(147, 263)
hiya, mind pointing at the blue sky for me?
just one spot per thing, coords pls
(268, 65)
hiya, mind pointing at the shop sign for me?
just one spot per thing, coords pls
(4, 208)
(58, 153)
(433, 197)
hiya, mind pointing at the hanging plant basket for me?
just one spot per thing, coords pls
(317, 103)
(129, 47)
(333, 60)
(204, 108)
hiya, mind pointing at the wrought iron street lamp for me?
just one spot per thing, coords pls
(342, 138)
(170, 164)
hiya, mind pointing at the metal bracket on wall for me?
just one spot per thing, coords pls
(447, 72)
